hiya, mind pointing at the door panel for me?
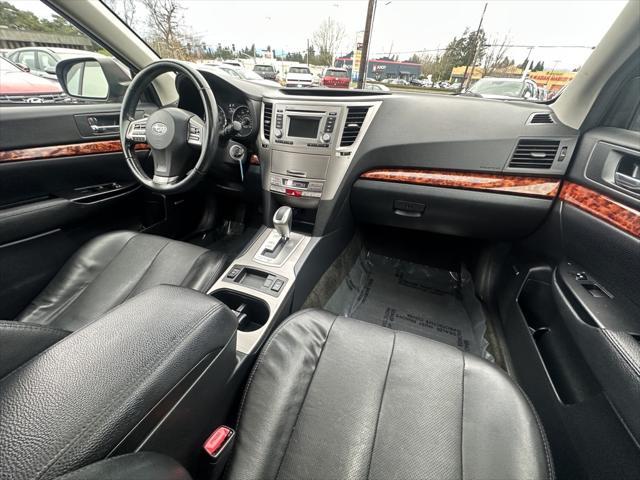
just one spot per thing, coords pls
(60, 185)
(570, 303)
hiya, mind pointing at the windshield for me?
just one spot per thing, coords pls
(435, 46)
(7, 66)
(492, 86)
(299, 70)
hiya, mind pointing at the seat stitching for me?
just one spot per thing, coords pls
(144, 372)
(464, 369)
(146, 270)
(304, 398)
(384, 389)
(20, 326)
(62, 308)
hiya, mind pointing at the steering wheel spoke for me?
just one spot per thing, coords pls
(137, 131)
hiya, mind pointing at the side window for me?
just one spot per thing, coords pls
(33, 67)
(46, 61)
(28, 58)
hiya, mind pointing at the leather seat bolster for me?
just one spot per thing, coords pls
(20, 342)
(205, 271)
(95, 385)
(277, 392)
(500, 419)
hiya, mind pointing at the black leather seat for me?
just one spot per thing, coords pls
(114, 267)
(336, 398)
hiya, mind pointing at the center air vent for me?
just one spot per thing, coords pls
(534, 153)
(540, 118)
(266, 120)
(353, 124)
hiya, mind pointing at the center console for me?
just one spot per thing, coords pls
(307, 146)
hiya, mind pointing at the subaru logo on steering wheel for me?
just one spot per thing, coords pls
(159, 128)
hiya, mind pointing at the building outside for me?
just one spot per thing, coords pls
(379, 69)
(553, 81)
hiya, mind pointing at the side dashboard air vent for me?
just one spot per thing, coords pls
(540, 119)
(266, 120)
(534, 153)
(353, 124)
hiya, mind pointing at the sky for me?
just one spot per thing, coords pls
(404, 26)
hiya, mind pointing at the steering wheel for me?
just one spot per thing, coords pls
(172, 133)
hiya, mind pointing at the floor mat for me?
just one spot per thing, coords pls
(414, 298)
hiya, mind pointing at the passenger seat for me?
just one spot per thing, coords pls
(336, 398)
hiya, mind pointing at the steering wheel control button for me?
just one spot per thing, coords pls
(196, 130)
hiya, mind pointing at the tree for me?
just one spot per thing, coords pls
(167, 32)
(12, 17)
(494, 59)
(125, 9)
(462, 52)
(327, 39)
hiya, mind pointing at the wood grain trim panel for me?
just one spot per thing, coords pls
(511, 184)
(600, 206)
(72, 150)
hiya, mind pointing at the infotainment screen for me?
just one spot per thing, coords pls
(304, 127)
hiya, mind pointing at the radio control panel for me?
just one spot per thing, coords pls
(296, 187)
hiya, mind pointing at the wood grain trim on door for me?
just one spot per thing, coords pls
(516, 185)
(72, 150)
(603, 207)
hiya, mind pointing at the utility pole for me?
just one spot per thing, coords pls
(371, 9)
(466, 68)
(307, 52)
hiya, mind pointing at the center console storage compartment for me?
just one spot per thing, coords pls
(252, 312)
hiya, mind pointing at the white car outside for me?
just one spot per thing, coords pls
(299, 76)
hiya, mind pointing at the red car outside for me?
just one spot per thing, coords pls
(335, 78)
(19, 86)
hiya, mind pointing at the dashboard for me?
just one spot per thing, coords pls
(449, 164)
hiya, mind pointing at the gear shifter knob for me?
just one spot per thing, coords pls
(282, 221)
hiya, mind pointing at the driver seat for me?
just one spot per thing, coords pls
(115, 266)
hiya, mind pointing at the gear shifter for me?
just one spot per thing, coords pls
(282, 222)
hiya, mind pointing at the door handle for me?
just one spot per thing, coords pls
(627, 181)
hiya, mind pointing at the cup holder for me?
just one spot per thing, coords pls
(252, 312)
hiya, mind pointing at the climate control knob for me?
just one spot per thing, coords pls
(325, 137)
(278, 133)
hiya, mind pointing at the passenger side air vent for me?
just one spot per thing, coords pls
(355, 119)
(266, 120)
(540, 118)
(534, 153)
